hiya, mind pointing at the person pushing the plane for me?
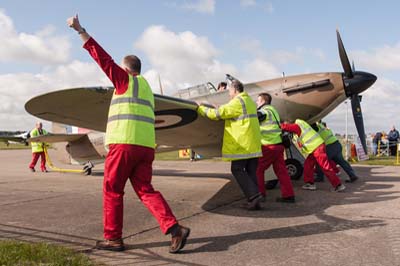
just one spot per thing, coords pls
(242, 139)
(313, 145)
(272, 149)
(130, 137)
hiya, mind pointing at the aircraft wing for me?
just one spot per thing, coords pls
(177, 123)
(52, 138)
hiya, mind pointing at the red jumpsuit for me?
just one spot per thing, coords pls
(126, 161)
(35, 158)
(273, 154)
(317, 156)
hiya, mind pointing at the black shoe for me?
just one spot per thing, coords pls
(253, 203)
(32, 169)
(179, 240)
(111, 245)
(352, 179)
(264, 198)
(290, 199)
(319, 179)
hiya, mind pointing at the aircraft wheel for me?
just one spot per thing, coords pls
(87, 168)
(295, 168)
(271, 184)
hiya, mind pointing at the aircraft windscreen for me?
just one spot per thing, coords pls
(195, 91)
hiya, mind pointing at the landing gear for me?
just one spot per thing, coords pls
(87, 168)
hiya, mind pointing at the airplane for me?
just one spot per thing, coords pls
(17, 138)
(308, 96)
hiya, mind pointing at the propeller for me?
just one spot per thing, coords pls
(355, 82)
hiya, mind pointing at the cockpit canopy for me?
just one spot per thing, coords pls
(195, 91)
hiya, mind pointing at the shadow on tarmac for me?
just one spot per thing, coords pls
(223, 243)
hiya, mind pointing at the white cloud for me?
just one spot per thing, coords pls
(265, 6)
(258, 69)
(201, 6)
(269, 8)
(185, 59)
(182, 59)
(254, 48)
(386, 57)
(43, 47)
(247, 3)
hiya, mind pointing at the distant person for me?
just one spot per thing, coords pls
(38, 148)
(334, 151)
(192, 155)
(393, 138)
(242, 139)
(130, 137)
(376, 142)
(313, 145)
(221, 86)
(272, 149)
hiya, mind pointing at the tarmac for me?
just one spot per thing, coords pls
(360, 226)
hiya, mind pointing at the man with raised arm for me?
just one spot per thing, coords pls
(130, 137)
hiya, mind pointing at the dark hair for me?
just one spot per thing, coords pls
(266, 96)
(133, 63)
(221, 84)
(237, 85)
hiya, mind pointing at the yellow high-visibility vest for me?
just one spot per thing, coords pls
(242, 138)
(326, 134)
(309, 139)
(270, 129)
(37, 146)
(131, 115)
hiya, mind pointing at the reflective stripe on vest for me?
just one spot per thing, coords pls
(309, 139)
(244, 115)
(131, 116)
(270, 130)
(242, 156)
(326, 134)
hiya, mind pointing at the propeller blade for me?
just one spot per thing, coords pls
(358, 119)
(343, 57)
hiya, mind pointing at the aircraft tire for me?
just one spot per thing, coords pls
(295, 168)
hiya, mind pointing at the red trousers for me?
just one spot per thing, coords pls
(35, 158)
(319, 156)
(131, 162)
(273, 154)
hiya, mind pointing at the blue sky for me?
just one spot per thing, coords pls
(252, 39)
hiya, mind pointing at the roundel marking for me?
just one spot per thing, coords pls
(166, 119)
